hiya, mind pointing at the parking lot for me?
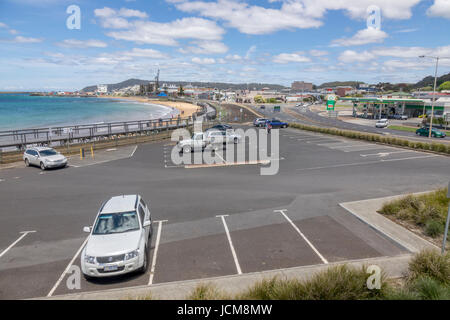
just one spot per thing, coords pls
(208, 221)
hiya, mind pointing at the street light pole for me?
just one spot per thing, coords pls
(434, 89)
(434, 97)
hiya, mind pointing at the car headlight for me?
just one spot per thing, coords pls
(132, 254)
(89, 259)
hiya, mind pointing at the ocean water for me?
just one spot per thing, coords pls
(21, 111)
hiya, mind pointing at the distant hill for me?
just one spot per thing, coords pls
(429, 81)
(340, 83)
(218, 85)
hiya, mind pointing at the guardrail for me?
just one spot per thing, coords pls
(62, 135)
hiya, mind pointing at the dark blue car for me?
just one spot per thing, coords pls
(277, 123)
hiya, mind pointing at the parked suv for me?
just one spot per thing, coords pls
(259, 122)
(44, 158)
(119, 239)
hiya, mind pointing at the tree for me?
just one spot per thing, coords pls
(181, 90)
(445, 86)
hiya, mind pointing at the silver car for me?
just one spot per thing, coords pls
(44, 158)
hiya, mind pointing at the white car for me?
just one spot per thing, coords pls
(44, 158)
(382, 123)
(212, 138)
(119, 239)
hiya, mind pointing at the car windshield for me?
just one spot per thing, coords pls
(116, 223)
(46, 153)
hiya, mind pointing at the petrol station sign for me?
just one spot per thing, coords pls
(331, 101)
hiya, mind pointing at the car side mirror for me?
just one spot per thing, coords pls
(87, 229)
(147, 223)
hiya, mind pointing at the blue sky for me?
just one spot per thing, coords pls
(270, 41)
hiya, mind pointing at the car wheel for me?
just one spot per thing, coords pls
(144, 267)
(27, 163)
(42, 166)
(187, 149)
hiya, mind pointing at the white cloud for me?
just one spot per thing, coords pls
(251, 19)
(74, 43)
(130, 13)
(20, 39)
(412, 52)
(290, 57)
(318, 53)
(292, 14)
(440, 8)
(115, 19)
(392, 65)
(249, 52)
(203, 61)
(205, 47)
(145, 53)
(350, 56)
(167, 33)
(3, 25)
(365, 36)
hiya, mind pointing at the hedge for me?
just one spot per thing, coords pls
(435, 147)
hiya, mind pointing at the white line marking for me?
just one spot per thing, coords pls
(409, 158)
(155, 253)
(218, 154)
(233, 252)
(382, 154)
(1, 180)
(67, 269)
(302, 235)
(132, 154)
(24, 233)
(112, 149)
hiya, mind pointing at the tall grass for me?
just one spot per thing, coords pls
(428, 211)
(431, 264)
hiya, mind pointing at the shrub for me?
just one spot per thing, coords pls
(430, 289)
(335, 283)
(419, 209)
(431, 264)
(206, 292)
(434, 228)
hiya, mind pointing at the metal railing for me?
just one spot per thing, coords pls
(86, 132)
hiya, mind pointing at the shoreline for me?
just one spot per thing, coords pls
(185, 109)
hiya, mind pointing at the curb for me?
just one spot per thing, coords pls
(366, 211)
(393, 267)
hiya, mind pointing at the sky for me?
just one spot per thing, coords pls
(45, 45)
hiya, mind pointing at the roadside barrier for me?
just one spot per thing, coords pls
(416, 145)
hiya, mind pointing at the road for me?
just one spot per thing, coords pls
(308, 117)
(212, 221)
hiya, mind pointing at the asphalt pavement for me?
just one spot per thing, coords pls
(212, 220)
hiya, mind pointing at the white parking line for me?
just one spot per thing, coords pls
(384, 154)
(302, 235)
(409, 158)
(67, 269)
(24, 233)
(132, 154)
(233, 252)
(155, 252)
(218, 154)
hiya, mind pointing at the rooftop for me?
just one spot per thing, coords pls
(122, 203)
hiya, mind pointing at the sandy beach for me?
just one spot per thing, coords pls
(186, 109)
